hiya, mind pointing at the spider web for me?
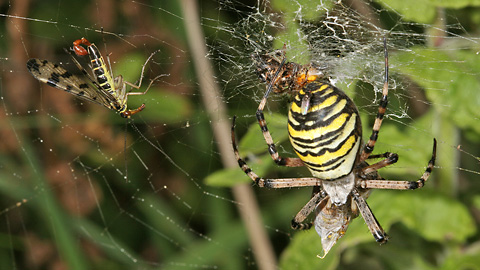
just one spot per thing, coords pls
(85, 189)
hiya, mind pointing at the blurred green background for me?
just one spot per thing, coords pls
(74, 197)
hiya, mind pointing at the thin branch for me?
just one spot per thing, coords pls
(217, 111)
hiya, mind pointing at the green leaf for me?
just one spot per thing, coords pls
(461, 260)
(448, 78)
(476, 201)
(251, 145)
(457, 4)
(227, 178)
(435, 217)
(421, 11)
(432, 216)
(424, 11)
(233, 176)
(163, 106)
(254, 143)
(303, 250)
(414, 146)
(310, 9)
(130, 67)
(297, 45)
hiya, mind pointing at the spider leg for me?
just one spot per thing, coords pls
(390, 158)
(403, 185)
(298, 220)
(372, 223)
(289, 162)
(384, 155)
(271, 183)
(282, 161)
(367, 150)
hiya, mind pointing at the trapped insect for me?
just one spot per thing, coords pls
(100, 88)
(326, 133)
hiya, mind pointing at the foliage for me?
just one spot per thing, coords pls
(69, 187)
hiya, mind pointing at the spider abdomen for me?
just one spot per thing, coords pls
(327, 134)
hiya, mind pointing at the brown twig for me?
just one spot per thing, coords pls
(243, 193)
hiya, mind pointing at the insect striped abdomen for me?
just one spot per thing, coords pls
(327, 138)
(99, 68)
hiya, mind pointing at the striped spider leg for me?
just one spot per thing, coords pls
(368, 148)
(326, 133)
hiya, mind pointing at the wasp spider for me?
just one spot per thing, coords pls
(325, 131)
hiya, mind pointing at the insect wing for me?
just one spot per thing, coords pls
(56, 76)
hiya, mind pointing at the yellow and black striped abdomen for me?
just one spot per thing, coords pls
(328, 136)
(100, 70)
